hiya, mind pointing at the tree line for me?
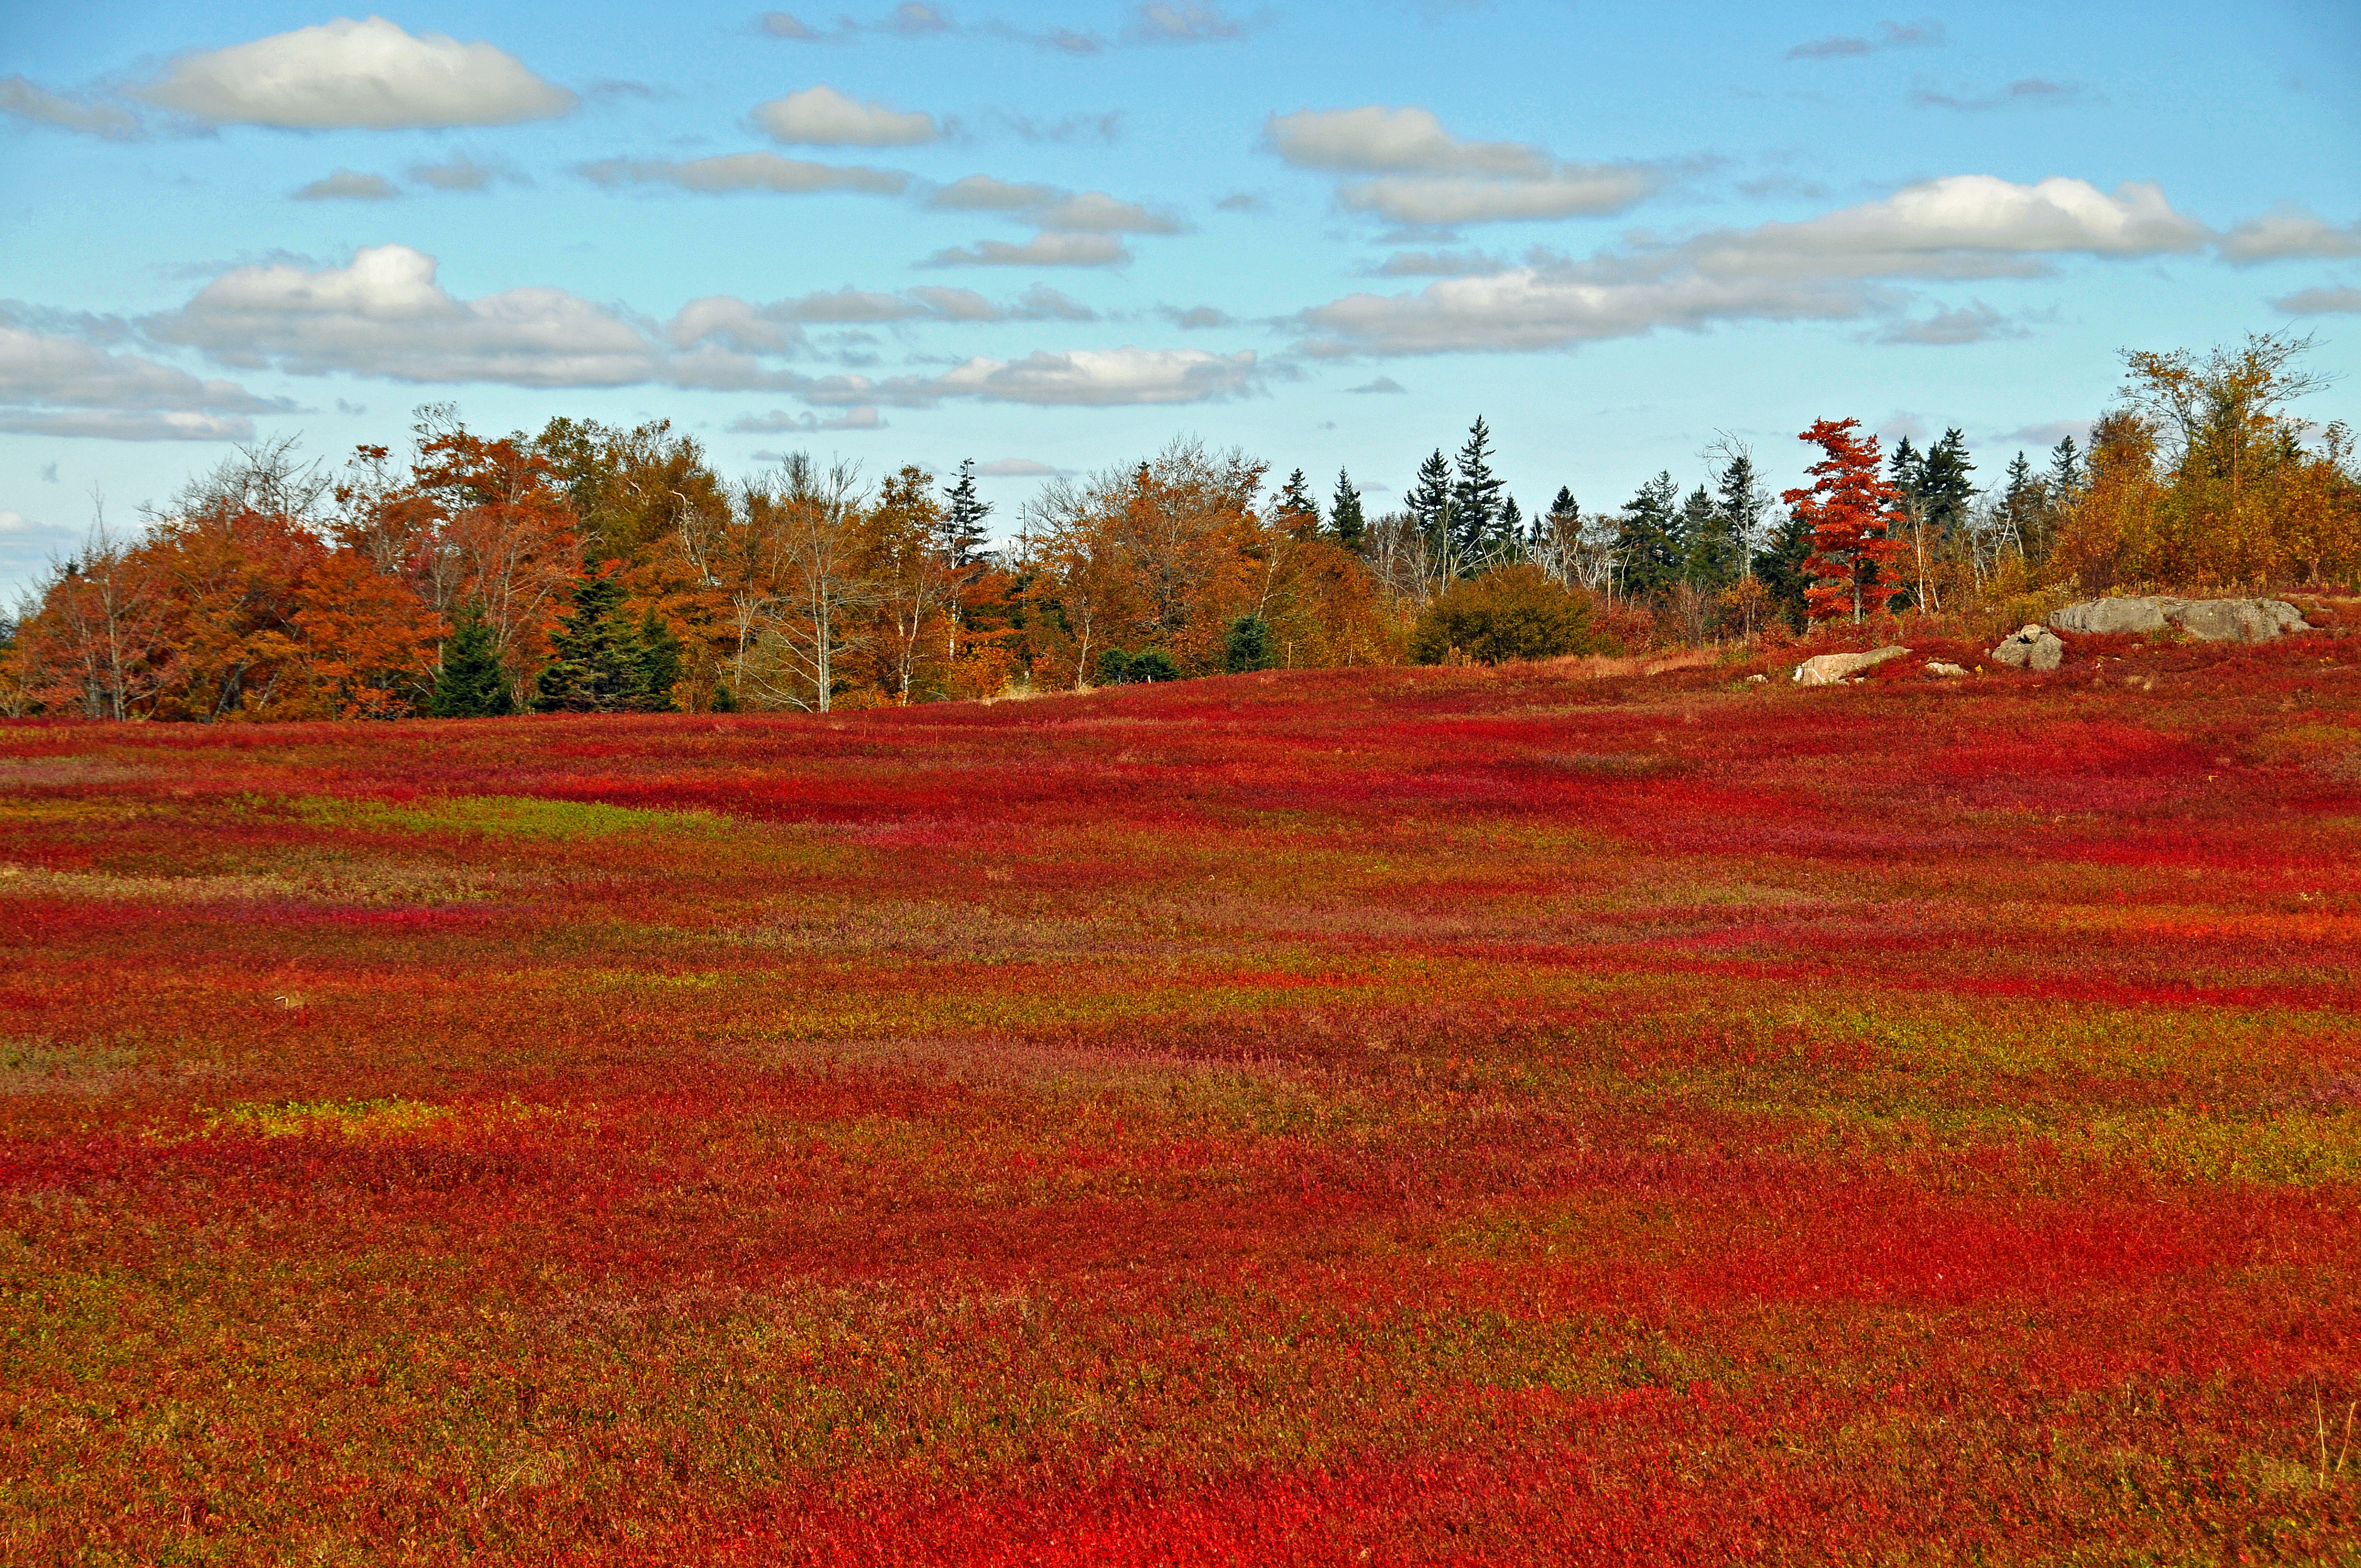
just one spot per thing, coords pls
(591, 568)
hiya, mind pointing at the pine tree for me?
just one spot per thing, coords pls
(1345, 512)
(1298, 509)
(1648, 540)
(959, 534)
(596, 664)
(472, 683)
(1247, 646)
(1512, 530)
(1429, 505)
(2067, 476)
(1710, 559)
(658, 663)
(1782, 569)
(1945, 485)
(1852, 509)
(1476, 498)
(1739, 500)
(2023, 503)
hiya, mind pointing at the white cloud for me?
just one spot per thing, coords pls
(1440, 202)
(1425, 176)
(1017, 468)
(1976, 323)
(1377, 140)
(368, 74)
(53, 385)
(746, 172)
(1081, 378)
(1047, 207)
(1962, 226)
(1041, 250)
(2288, 233)
(2320, 301)
(461, 172)
(1383, 384)
(778, 327)
(26, 101)
(1197, 318)
(779, 422)
(345, 185)
(1438, 263)
(822, 116)
(385, 314)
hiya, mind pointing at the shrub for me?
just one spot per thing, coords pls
(1144, 668)
(1511, 612)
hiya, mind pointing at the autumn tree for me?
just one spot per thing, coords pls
(1850, 509)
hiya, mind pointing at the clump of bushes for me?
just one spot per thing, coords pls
(1510, 612)
(1117, 668)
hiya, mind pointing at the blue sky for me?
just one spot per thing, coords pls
(1053, 236)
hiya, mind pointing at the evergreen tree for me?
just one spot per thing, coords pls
(1740, 500)
(1648, 539)
(959, 534)
(1946, 488)
(659, 662)
(1783, 570)
(1711, 559)
(1512, 524)
(1247, 645)
(1429, 504)
(472, 683)
(1476, 498)
(2024, 501)
(1298, 509)
(2067, 476)
(596, 660)
(1345, 512)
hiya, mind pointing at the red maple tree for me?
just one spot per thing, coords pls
(1851, 506)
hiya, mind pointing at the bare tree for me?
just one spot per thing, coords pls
(811, 523)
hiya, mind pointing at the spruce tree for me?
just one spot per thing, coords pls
(1711, 558)
(596, 662)
(1247, 645)
(658, 663)
(1783, 570)
(1475, 496)
(1429, 504)
(2066, 472)
(1298, 509)
(960, 536)
(2024, 501)
(1345, 512)
(1946, 488)
(1740, 499)
(1648, 539)
(1511, 528)
(472, 683)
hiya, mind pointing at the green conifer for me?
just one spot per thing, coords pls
(472, 683)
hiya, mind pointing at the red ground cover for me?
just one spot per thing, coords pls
(1395, 1116)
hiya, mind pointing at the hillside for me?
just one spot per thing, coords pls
(1558, 1112)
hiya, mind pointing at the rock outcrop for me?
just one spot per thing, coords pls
(2034, 648)
(2212, 621)
(1948, 671)
(1834, 669)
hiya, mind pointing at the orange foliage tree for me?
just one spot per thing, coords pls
(1850, 509)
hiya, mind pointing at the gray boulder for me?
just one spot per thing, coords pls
(2033, 648)
(1834, 669)
(2211, 620)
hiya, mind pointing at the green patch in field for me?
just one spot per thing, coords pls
(359, 1119)
(2296, 1149)
(43, 1065)
(506, 816)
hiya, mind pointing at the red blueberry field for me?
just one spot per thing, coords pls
(1562, 1113)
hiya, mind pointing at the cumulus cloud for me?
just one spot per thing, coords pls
(1048, 207)
(746, 172)
(385, 314)
(56, 385)
(778, 327)
(345, 185)
(1888, 36)
(1382, 385)
(26, 101)
(1197, 318)
(2320, 301)
(1438, 263)
(2288, 233)
(1041, 250)
(1960, 226)
(1079, 378)
(822, 116)
(1418, 173)
(368, 74)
